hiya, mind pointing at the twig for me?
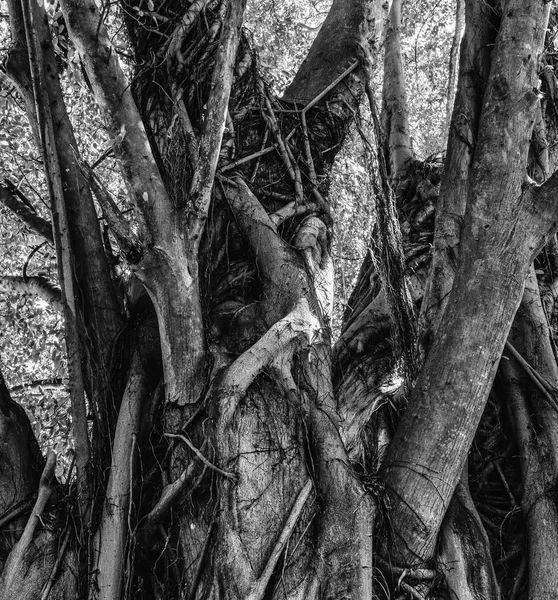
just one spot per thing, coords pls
(258, 154)
(204, 460)
(505, 484)
(282, 148)
(546, 388)
(103, 156)
(248, 158)
(257, 166)
(258, 589)
(307, 150)
(330, 87)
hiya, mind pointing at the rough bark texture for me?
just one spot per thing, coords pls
(234, 453)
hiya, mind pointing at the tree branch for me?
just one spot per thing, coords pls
(127, 240)
(285, 281)
(170, 494)
(258, 589)
(204, 460)
(172, 48)
(113, 94)
(37, 285)
(350, 25)
(13, 199)
(32, 21)
(215, 116)
(274, 347)
(396, 118)
(113, 529)
(474, 68)
(16, 565)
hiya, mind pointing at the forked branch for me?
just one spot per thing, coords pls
(113, 94)
(277, 344)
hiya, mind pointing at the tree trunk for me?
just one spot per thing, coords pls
(234, 453)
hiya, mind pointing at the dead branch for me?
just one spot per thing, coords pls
(548, 390)
(307, 150)
(282, 147)
(330, 87)
(259, 154)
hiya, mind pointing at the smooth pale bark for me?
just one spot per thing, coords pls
(395, 115)
(505, 226)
